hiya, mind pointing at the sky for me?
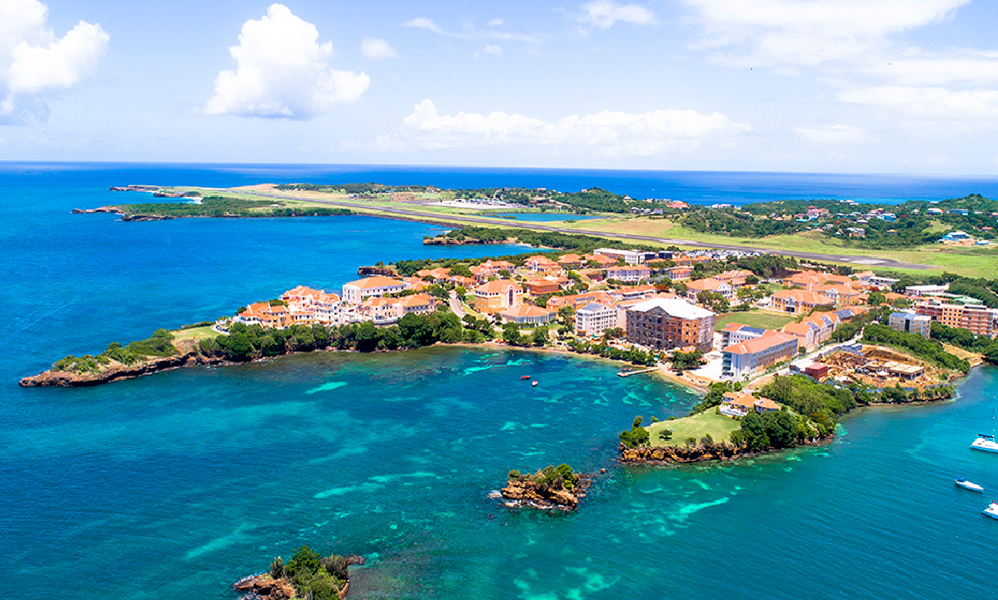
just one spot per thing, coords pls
(839, 86)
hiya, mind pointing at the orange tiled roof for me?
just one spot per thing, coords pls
(766, 340)
(377, 281)
(498, 286)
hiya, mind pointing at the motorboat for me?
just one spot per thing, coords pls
(992, 510)
(968, 485)
(524, 377)
(533, 383)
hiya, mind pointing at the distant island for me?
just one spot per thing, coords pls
(307, 576)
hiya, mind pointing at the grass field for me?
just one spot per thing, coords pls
(194, 333)
(718, 426)
(753, 318)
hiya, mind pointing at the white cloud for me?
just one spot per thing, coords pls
(611, 133)
(604, 13)
(424, 23)
(810, 32)
(930, 103)
(834, 134)
(469, 32)
(282, 71)
(491, 49)
(33, 61)
(377, 49)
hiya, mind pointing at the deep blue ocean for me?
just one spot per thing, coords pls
(174, 485)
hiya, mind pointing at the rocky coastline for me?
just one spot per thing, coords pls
(117, 371)
(671, 455)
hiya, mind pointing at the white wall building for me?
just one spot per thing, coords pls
(594, 319)
(372, 287)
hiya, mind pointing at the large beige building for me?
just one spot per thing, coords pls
(663, 324)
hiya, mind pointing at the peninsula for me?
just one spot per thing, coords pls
(780, 347)
(958, 234)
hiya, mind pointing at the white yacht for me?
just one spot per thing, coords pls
(968, 485)
(992, 510)
(987, 442)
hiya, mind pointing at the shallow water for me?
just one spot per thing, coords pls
(174, 485)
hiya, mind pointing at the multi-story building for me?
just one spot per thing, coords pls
(911, 322)
(753, 357)
(664, 324)
(526, 314)
(798, 301)
(630, 274)
(977, 319)
(497, 295)
(594, 319)
(709, 284)
(356, 292)
(577, 301)
(735, 333)
(631, 257)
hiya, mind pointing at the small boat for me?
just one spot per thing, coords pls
(525, 377)
(533, 383)
(991, 510)
(987, 442)
(968, 485)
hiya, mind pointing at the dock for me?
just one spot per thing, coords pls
(629, 373)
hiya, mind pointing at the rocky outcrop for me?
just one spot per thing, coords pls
(666, 455)
(116, 371)
(523, 492)
(102, 209)
(135, 188)
(264, 587)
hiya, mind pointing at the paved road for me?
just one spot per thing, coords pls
(859, 261)
(455, 305)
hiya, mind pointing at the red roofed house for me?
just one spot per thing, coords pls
(629, 273)
(526, 314)
(710, 284)
(570, 261)
(734, 277)
(355, 292)
(498, 295)
(798, 301)
(755, 356)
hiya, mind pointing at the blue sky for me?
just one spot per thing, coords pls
(898, 86)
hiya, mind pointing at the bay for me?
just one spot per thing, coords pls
(175, 485)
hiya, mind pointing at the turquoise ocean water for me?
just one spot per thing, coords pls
(174, 485)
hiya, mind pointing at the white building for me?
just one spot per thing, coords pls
(594, 319)
(372, 287)
(926, 290)
(631, 257)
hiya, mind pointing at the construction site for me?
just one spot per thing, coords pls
(878, 367)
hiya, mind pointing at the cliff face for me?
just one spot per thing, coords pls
(115, 371)
(679, 454)
(528, 493)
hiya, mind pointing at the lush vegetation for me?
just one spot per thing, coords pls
(218, 206)
(636, 435)
(312, 575)
(550, 478)
(547, 239)
(962, 338)
(412, 331)
(821, 403)
(160, 344)
(931, 350)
